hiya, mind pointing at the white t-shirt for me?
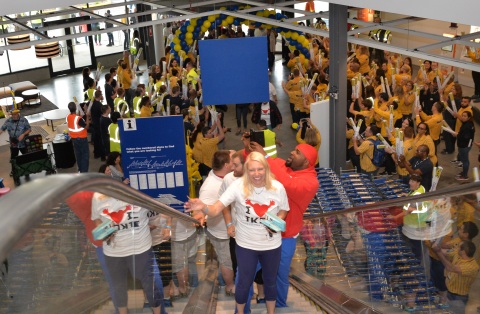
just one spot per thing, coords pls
(209, 195)
(265, 112)
(227, 181)
(159, 221)
(250, 232)
(133, 234)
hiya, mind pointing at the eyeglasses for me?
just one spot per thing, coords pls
(421, 129)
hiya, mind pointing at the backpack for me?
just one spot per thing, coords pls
(379, 156)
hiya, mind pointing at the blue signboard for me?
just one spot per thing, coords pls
(234, 71)
(154, 157)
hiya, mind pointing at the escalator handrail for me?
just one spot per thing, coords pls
(25, 206)
(458, 190)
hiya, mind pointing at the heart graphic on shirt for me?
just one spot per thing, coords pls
(265, 111)
(260, 209)
(117, 216)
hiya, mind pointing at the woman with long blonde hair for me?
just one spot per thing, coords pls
(254, 195)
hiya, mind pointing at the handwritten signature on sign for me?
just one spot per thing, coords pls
(152, 164)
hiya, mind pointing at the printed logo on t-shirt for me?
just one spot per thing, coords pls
(259, 209)
(124, 218)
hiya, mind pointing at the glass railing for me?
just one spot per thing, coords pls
(350, 243)
(358, 239)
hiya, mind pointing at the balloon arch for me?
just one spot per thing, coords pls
(194, 29)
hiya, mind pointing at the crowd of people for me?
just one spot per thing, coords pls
(410, 115)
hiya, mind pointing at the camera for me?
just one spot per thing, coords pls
(14, 140)
(257, 136)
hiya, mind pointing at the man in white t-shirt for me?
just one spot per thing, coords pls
(216, 227)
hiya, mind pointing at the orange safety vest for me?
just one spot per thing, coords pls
(75, 130)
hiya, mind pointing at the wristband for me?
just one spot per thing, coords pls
(229, 224)
(266, 156)
(168, 227)
(205, 210)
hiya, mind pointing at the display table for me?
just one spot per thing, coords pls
(32, 97)
(55, 115)
(7, 104)
(64, 154)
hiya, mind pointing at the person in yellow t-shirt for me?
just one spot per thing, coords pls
(461, 269)
(434, 121)
(365, 150)
(423, 138)
(475, 56)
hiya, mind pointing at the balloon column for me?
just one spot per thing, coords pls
(194, 29)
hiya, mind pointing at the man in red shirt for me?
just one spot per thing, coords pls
(298, 176)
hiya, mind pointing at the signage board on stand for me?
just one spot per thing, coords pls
(154, 158)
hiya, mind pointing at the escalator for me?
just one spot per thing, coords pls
(350, 258)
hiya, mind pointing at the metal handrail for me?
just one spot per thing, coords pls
(401, 201)
(22, 208)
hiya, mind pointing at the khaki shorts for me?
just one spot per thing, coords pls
(181, 251)
(222, 248)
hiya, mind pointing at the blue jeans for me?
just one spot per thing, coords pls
(247, 268)
(457, 302)
(241, 112)
(82, 153)
(463, 157)
(101, 260)
(288, 249)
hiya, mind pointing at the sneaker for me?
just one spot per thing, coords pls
(458, 176)
(262, 300)
(459, 165)
(444, 152)
(454, 161)
(443, 306)
(462, 178)
(167, 303)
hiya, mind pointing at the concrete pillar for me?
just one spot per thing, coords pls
(338, 85)
(159, 42)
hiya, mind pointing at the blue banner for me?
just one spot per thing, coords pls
(154, 157)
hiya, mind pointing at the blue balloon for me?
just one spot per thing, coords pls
(183, 29)
(196, 35)
(236, 22)
(218, 21)
(234, 7)
(197, 29)
(271, 16)
(187, 23)
(222, 16)
(181, 36)
(258, 24)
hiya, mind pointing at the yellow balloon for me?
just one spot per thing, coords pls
(259, 13)
(182, 54)
(190, 28)
(188, 35)
(268, 26)
(301, 39)
(294, 125)
(189, 40)
(207, 23)
(229, 19)
(224, 23)
(223, 8)
(177, 48)
(193, 22)
(294, 36)
(211, 18)
(288, 34)
(176, 40)
(177, 32)
(203, 29)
